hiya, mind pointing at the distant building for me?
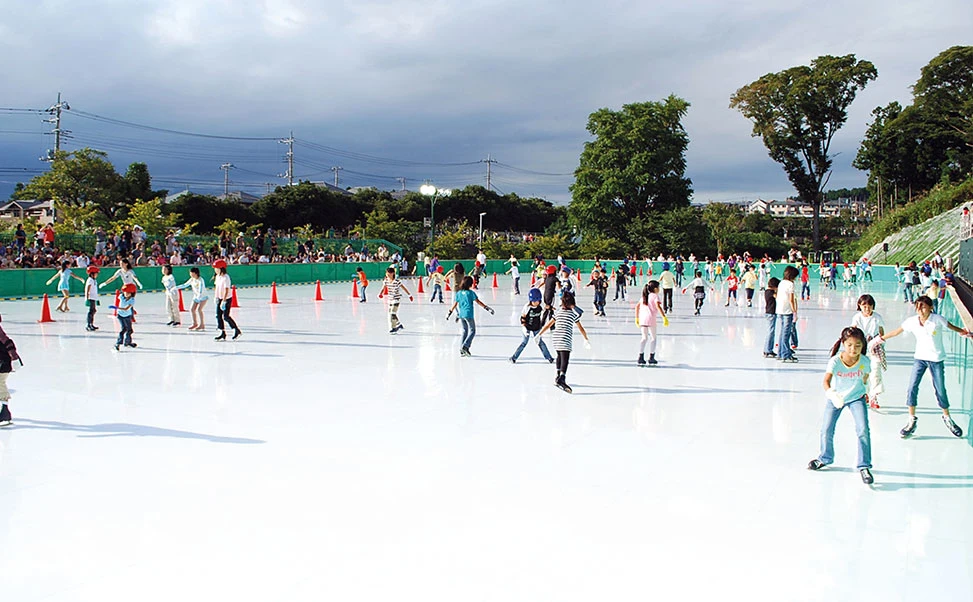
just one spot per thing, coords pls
(43, 211)
(332, 188)
(244, 198)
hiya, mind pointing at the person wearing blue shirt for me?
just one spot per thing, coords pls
(465, 298)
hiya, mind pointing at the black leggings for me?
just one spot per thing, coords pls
(224, 314)
(91, 313)
(562, 361)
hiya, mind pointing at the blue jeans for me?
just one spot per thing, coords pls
(784, 340)
(469, 331)
(938, 370)
(540, 343)
(860, 414)
(125, 333)
(907, 293)
(771, 332)
(436, 290)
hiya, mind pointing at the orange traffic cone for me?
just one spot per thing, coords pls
(640, 271)
(420, 291)
(317, 292)
(118, 297)
(447, 286)
(182, 308)
(533, 279)
(45, 312)
(579, 274)
(234, 302)
(273, 293)
(354, 289)
(495, 285)
(385, 291)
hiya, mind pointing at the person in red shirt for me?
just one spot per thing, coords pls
(805, 285)
(48, 235)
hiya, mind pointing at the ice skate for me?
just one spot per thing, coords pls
(652, 360)
(909, 428)
(952, 426)
(641, 360)
(5, 418)
(221, 336)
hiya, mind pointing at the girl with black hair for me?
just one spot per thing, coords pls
(845, 383)
(563, 324)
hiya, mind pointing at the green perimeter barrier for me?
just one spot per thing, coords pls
(31, 283)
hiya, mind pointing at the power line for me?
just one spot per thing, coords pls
(140, 126)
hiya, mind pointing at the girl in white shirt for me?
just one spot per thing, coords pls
(873, 326)
(172, 295)
(224, 298)
(199, 298)
(125, 273)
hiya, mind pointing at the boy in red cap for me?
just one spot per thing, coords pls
(91, 296)
(126, 308)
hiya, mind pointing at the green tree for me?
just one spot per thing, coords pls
(139, 182)
(83, 178)
(723, 220)
(684, 231)
(636, 165)
(796, 112)
(151, 217)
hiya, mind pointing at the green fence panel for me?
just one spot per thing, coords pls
(268, 273)
(242, 275)
(299, 272)
(12, 283)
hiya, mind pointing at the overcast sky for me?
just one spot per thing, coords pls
(434, 82)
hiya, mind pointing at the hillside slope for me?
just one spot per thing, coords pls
(919, 242)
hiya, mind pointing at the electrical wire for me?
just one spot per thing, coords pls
(111, 120)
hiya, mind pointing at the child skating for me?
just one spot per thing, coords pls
(64, 276)
(8, 355)
(436, 280)
(770, 313)
(647, 313)
(394, 288)
(362, 284)
(125, 312)
(563, 324)
(600, 284)
(732, 282)
(465, 298)
(873, 326)
(91, 296)
(699, 291)
(198, 287)
(530, 322)
(172, 295)
(845, 385)
(930, 354)
(223, 291)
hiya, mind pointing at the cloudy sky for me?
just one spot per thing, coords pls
(412, 88)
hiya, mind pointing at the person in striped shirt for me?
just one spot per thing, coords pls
(563, 324)
(394, 287)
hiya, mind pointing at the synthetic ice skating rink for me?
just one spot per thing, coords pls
(320, 458)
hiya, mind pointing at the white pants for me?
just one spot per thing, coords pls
(172, 305)
(4, 391)
(875, 385)
(649, 331)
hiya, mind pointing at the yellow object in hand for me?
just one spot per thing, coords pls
(665, 320)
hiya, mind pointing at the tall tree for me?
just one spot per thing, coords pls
(139, 182)
(797, 113)
(83, 178)
(635, 166)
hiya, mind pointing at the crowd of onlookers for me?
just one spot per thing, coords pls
(42, 250)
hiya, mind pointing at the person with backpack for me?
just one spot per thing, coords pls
(8, 355)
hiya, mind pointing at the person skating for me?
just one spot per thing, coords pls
(699, 291)
(125, 311)
(465, 298)
(873, 326)
(563, 323)
(621, 279)
(787, 314)
(8, 355)
(172, 296)
(550, 285)
(647, 313)
(530, 321)
(845, 384)
(770, 313)
(64, 276)
(667, 282)
(362, 284)
(91, 296)
(600, 284)
(394, 288)
(223, 291)
(930, 354)
(200, 297)
(436, 279)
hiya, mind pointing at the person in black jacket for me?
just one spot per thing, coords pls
(8, 355)
(530, 320)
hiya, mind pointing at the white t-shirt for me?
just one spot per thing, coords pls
(481, 258)
(869, 325)
(929, 337)
(785, 290)
(514, 271)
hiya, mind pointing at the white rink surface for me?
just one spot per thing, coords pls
(319, 458)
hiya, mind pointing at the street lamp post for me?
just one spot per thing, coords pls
(480, 244)
(433, 193)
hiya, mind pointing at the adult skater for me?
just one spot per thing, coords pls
(845, 384)
(223, 291)
(928, 329)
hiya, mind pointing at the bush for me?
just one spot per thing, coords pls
(593, 246)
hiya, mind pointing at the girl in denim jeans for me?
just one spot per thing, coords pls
(928, 329)
(844, 384)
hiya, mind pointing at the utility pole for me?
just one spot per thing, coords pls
(336, 169)
(289, 141)
(401, 181)
(55, 112)
(226, 167)
(489, 161)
